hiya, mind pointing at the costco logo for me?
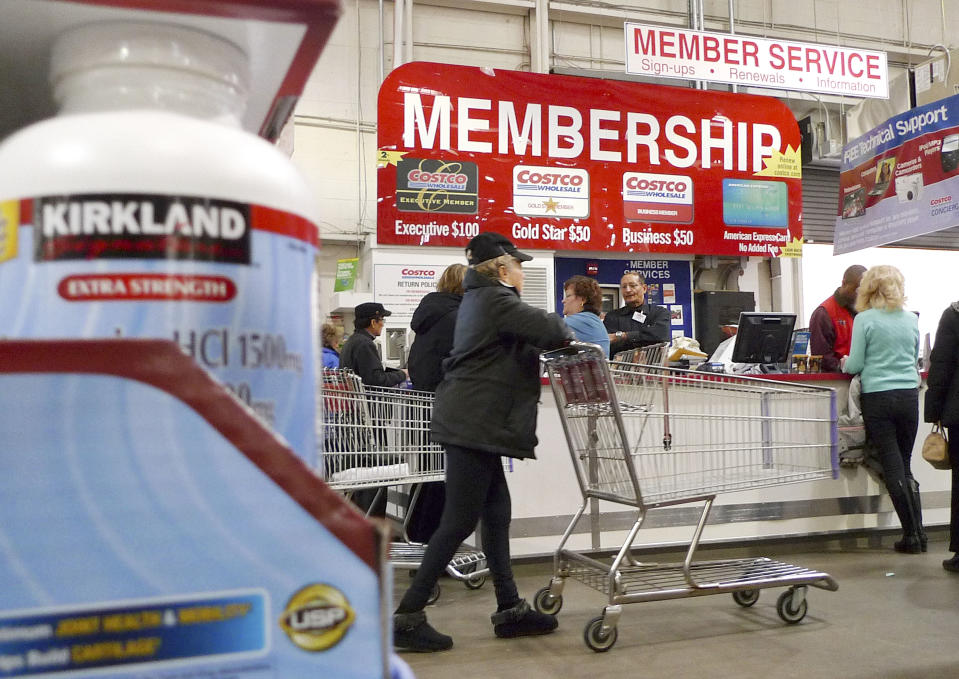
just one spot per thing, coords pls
(451, 181)
(540, 191)
(657, 198)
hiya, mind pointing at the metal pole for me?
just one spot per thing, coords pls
(397, 33)
(732, 31)
(380, 49)
(408, 31)
(542, 19)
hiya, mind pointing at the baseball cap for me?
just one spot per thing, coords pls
(370, 310)
(491, 245)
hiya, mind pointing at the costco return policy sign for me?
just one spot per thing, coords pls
(584, 164)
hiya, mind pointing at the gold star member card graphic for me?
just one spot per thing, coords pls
(550, 191)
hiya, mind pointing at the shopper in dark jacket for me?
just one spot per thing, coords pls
(433, 322)
(942, 405)
(359, 354)
(485, 408)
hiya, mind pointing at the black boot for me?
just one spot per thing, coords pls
(902, 501)
(952, 565)
(411, 632)
(917, 505)
(522, 621)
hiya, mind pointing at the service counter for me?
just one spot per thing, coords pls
(545, 496)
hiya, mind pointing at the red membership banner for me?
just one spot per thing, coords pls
(566, 163)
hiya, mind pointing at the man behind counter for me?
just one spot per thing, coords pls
(638, 323)
(830, 326)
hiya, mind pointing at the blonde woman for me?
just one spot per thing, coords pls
(884, 352)
(332, 338)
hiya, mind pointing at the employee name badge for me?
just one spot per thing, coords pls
(639, 317)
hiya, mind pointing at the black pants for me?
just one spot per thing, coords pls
(953, 433)
(892, 418)
(475, 489)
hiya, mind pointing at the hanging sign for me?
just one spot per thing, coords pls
(746, 60)
(900, 179)
(583, 164)
(345, 274)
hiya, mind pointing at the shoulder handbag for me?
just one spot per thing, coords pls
(935, 449)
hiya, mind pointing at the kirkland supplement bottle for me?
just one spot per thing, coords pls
(145, 210)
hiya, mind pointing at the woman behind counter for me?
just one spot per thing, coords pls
(582, 303)
(942, 405)
(485, 409)
(884, 353)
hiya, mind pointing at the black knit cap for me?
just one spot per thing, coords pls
(491, 245)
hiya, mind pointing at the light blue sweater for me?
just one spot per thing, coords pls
(588, 328)
(884, 350)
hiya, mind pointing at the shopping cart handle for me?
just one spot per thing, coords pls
(571, 348)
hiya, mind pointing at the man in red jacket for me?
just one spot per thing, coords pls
(830, 327)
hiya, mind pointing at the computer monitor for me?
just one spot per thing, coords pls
(764, 338)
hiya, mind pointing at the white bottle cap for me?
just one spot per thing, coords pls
(134, 47)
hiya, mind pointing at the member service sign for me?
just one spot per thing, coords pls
(748, 60)
(584, 164)
(900, 179)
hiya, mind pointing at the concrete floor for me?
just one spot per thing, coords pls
(894, 615)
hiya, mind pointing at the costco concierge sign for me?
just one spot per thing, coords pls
(584, 164)
(746, 60)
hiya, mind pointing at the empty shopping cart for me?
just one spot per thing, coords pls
(649, 436)
(378, 437)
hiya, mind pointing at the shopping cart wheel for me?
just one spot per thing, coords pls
(746, 597)
(594, 637)
(788, 610)
(475, 581)
(544, 602)
(434, 595)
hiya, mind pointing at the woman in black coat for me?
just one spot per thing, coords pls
(485, 408)
(433, 322)
(942, 405)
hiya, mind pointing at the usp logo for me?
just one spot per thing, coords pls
(317, 617)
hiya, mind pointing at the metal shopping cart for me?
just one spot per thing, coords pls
(378, 437)
(649, 436)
